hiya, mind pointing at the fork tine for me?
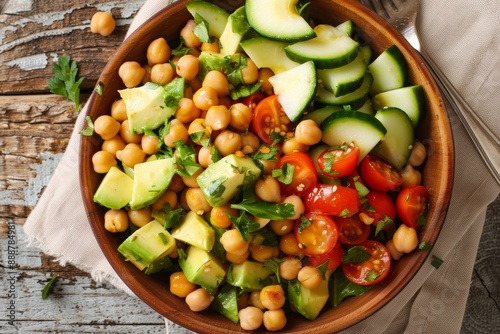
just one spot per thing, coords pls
(376, 6)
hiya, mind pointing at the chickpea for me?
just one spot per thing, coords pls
(298, 205)
(103, 161)
(395, 254)
(260, 253)
(254, 300)
(241, 116)
(199, 300)
(197, 127)
(176, 184)
(169, 197)
(177, 131)
(180, 286)
(289, 245)
(250, 318)
(205, 97)
(140, 217)
(219, 218)
(205, 156)
(127, 135)
(228, 142)
(417, 155)
(265, 86)
(211, 47)
(217, 117)
(195, 84)
(191, 181)
(282, 226)
(218, 81)
(309, 277)
(308, 132)
(243, 300)
(186, 111)
(272, 297)
(131, 73)
(250, 143)
(293, 145)
(102, 23)
(190, 39)
(405, 239)
(162, 74)
(149, 144)
(106, 126)
(115, 221)
(131, 155)
(119, 110)
(289, 267)
(233, 242)
(411, 177)
(250, 72)
(188, 67)
(274, 320)
(113, 145)
(237, 258)
(158, 52)
(147, 75)
(196, 201)
(268, 189)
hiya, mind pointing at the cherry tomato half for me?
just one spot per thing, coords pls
(252, 100)
(411, 204)
(334, 258)
(380, 207)
(316, 234)
(338, 162)
(378, 175)
(269, 116)
(304, 174)
(352, 231)
(373, 270)
(332, 200)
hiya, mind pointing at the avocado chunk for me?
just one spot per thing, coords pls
(226, 303)
(195, 231)
(151, 179)
(308, 302)
(250, 275)
(202, 268)
(115, 189)
(236, 28)
(223, 180)
(148, 244)
(147, 108)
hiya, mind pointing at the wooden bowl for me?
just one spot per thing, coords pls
(434, 131)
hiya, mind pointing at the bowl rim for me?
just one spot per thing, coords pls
(169, 312)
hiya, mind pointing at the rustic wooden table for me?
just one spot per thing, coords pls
(35, 127)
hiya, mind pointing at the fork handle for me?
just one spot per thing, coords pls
(486, 142)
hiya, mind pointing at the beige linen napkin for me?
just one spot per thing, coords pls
(463, 38)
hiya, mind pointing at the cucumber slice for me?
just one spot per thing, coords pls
(355, 99)
(349, 126)
(367, 108)
(319, 115)
(236, 28)
(268, 53)
(345, 79)
(367, 52)
(329, 49)
(410, 99)
(213, 14)
(395, 148)
(389, 70)
(295, 89)
(347, 27)
(278, 20)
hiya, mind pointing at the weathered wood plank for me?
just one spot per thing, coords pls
(33, 33)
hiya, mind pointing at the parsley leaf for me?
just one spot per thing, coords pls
(267, 210)
(48, 287)
(243, 224)
(304, 222)
(382, 224)
(424, 246)
(89, 130)
(436, 262)
(356, 254)
(201, 29)
(273, 265)
(64, 82)
(284, 174)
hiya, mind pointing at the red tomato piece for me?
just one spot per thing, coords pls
(252, 100)
(335, 200)
(304, 174)
(338, 162)
(411, 204)
(268, 117)
(334, 258)
(352, 231)
(316, 234)
(379, 175)
(379, 207)
(373, 270)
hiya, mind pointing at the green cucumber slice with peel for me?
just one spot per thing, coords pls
(268, 53)
(213, 14)
(355, 99)
(330, 48)
(278, 20)
(389, 70)
(410, 99)
(347, 27)
(295, 89)
(319, 115)
(396, 146)
(350, 126)
(345, 79)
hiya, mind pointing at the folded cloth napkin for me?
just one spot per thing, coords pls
(462, 37)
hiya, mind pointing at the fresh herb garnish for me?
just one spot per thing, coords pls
(267, 210)
(436, 262)
(48, 287)
(89, 130)
(383, 224)
(65, 81)
(356, 254)
(304, 222)
(273, 265)
(284, 174)
(243, 224)
(163, 238)
(201, 30)
(424, 246)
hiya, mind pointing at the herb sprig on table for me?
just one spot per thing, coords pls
(65, 82)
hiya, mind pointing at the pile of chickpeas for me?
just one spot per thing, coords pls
(207, 108)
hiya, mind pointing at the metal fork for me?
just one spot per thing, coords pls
(402, 14)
